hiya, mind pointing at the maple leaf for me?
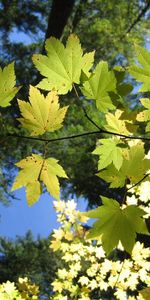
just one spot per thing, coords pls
(62, 66)
(99, 85)
(50, 171)
(115, 123)
(134, 167)
(109, 152)
(87, 62)
(7, 85)
(29, 177)
(42, 114)
(113, 176)
(116, 224)
(36, 170)
(144, 115)
(142, 74)
(137, 165)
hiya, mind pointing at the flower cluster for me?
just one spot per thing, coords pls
(87, 272)
(25, 290)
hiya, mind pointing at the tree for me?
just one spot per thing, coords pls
(106, 32)
(26, 257)
(123, 162)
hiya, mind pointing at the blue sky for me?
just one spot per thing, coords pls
(40, 218)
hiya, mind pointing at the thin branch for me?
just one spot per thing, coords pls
(100, 131)
(138, 18)
(105, 131)
(137, 183)
(52, 140)
(84, 110)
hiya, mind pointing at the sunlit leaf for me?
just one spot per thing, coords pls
(144, 116)
(62, 66)
(99, 85)
(109, 152)
(115, 123)
(7, 85)
(142, 74)
(41, 114)
(115, 224)
(36, 170)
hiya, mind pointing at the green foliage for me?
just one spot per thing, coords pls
(123, 156)
(116, 224)
(99, 85)
(144, 116)
(27, 257)
(109, 153)
(104, 24)
(62, 66)
(133, 156)
(142, 74)
(7, 85)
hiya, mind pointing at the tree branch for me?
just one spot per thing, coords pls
(139, 17)
(101, 131)
(137, 183)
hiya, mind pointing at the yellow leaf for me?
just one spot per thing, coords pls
(34, 170)
(7, 85)
(41, 114)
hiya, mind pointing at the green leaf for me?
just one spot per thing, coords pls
(99, 85)
(134, 167)
(87, 62)
(113, 176)
(137, 165)
(36, 170)
(42, 114)
(115, 123)
(62, 66)
(109, 152)
(116, 224)
(144, 115)
(142, 74)
(123, 89)
(7, 85)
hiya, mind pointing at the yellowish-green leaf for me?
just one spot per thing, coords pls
(113, 176)
(99, 85)
(109, 152)
(116, 224)
(7, 85)
(142, 74)
(42, 114)
(115, 123)
(134, 167)
(144, 116)
(62, 66)
(87, 62)
(50, 171)
(34, 171)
